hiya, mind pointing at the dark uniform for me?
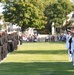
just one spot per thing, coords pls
(14, 41)
(20, 38)
(10, 43)
(6, 44)
(4, 39)
(1, 48)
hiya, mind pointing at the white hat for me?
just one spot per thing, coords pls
(68, 30)
(9, 32)
(2, 30)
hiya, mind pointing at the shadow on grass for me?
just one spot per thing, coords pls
(51, 42)
(40, 52)
(37, 68)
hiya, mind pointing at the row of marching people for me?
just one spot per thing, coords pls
(8, 43)
(70, 44)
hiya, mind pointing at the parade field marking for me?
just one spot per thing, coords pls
(47, 58)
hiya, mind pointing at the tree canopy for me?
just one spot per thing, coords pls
(26, 13)
(36, 13)
(58, 11)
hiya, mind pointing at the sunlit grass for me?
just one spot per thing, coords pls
(35, 52)
(47, 58)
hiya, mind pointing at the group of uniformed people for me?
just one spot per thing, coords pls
(8, 42)
(70, 44)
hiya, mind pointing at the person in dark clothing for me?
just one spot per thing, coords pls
(1, 50)
(20, 38)
(10, 42)
(14, 40)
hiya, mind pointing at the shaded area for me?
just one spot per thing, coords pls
(50, 42)
(40, 52)
(37, 68)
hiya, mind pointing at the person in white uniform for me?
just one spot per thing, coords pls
(68, 36)
(72, 47)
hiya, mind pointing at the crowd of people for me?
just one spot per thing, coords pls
(48, 38)
(70, 44)
(56, 37)
(29, 38)
(9, 41)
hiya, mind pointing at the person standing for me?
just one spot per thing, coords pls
(72, 47)
(1, 47)
(68, 36)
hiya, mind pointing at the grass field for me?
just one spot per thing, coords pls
(38, 59)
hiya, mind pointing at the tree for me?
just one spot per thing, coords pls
(57, 12)
(26, 13)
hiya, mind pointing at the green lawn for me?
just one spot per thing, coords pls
(38, 59)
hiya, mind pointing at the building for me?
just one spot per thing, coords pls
(69, 23)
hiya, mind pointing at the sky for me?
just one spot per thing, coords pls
(72, 1)
(1, 8)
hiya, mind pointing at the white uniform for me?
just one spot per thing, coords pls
(67, 40)
(68, 36)
(72, 49)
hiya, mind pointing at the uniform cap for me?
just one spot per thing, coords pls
(2, 30)
(9, 32)
(68, 30)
